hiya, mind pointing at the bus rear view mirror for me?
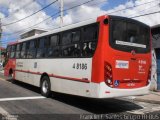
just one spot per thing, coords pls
(105, 21)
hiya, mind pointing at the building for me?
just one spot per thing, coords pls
(32, 32)
(155, 77)
(2, 56)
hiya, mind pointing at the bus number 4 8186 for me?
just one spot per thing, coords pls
(81, 66)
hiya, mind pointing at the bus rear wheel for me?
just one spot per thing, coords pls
(45, 86)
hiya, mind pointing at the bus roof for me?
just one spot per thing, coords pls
(12, 43)
(67, 27)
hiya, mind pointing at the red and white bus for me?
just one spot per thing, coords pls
(102, 58)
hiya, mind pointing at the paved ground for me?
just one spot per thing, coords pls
(22, 101)
(153, 97)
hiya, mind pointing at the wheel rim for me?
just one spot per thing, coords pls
(45, 86)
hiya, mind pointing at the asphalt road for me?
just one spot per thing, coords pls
(23, 101)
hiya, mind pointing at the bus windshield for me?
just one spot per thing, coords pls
(126, 36)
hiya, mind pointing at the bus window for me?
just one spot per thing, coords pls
(68, 46)
(18, 50)
(119, 31)
(66, 38)
(66, 42)
(76, 35)
(90, 37)
(9, 48)
(41, 48)
(53, 49)
(90, 33)
(23, 50)
(8, 51)
(128, 36)
(13, 49)
(31, 49)
(54, 40)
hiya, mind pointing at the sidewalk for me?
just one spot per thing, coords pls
(153, 97)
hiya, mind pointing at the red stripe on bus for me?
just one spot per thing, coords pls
(57, 76)
(27, 71)
(69, 78)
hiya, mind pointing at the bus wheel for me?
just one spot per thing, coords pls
(45, 86)
(10, 77)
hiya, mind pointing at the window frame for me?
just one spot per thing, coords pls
(75, 44)
(96, 26)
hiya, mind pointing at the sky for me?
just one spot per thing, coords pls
(17, 15)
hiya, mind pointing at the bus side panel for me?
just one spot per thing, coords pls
(11, 64)
(66, 75)
(70, 87)
(26, 71)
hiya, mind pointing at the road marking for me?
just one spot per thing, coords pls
(21, 98)
(7, 116)
(3, 112)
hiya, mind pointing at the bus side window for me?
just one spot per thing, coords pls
(13, 50)
(89, 37)
(41, 48)
(23, 50)
(71, 44)
(66, 44)
(53, 49)
(46, 46)
(8, 51)
(18, 50)
(31, 53)
(76, 43)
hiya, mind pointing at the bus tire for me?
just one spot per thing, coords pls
(45, 86)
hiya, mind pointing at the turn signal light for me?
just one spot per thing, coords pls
(108, 74)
